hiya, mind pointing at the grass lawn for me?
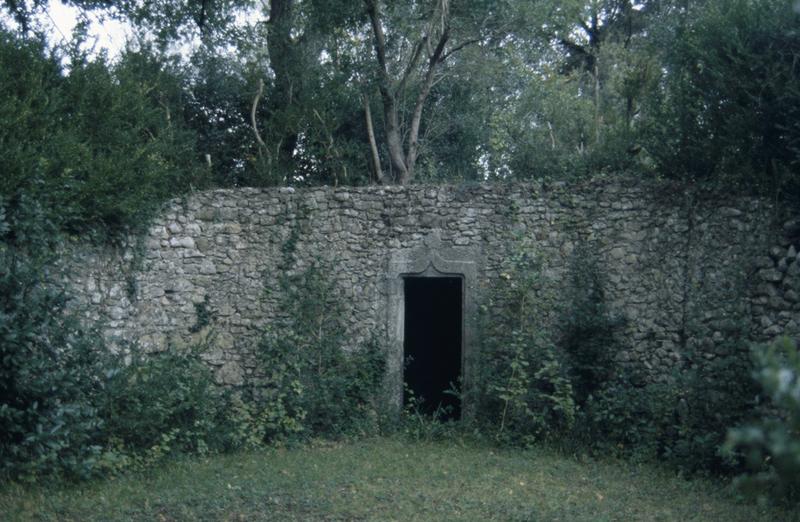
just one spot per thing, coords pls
(388, 479)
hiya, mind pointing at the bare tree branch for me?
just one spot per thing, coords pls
(412, 64)
(373, 145)
(459, 47)
(416, 119)
(440, 79)
(253, 110)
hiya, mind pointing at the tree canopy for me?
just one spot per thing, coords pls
(236, 93)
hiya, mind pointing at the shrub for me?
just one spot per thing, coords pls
(741, 134)
(161, 404)
(311, 376)
(100, 145)
(628, 418)
(49, 370)
(712, 396)
(771, 447)
(525, 393)
(681, 420)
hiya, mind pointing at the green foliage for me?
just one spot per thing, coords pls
(314, 378)
(694, 90)
(101, 145)
(730, 104)
(627, 417)
(258, 415)
(574, 390)
(524, 387)
(161, 404)
(49, 371)
(587, 328)
(714, 396)
(203, 314)
(67, 407)
(771, 447)
(681, 420)
(216, 105)
(418, 425)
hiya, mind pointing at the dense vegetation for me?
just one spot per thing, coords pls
(567, 387)
(342, 92)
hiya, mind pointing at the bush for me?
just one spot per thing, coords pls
(681, 420)
(741, 134)
(161, 404)
(67, 407)
(311, 377)
(712, 396)
(771, 447)
(50, 374)
(524, 390)
(628, 418)
(100, 145)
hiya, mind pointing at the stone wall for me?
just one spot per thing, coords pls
(687, 269)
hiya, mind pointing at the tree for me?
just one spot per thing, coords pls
(728, 108)
(409, 60)
(100, 146)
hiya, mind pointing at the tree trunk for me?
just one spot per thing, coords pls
(403, 155)
(373, 144)
(283, 57)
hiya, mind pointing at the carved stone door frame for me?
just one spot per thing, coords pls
(430, 260)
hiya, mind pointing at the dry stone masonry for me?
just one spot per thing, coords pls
(687, 269)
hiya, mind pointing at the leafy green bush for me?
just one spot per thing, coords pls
(743, 133)
(50, 374)
(161, 404)
(525, 393)
(771, 447)
(310, 375)
(99, 145)
(712, 396)
(627, 418)
(681, 420)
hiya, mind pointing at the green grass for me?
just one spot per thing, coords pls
(388, 479)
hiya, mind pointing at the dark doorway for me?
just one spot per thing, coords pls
(432, 346)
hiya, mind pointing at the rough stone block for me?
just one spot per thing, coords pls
(764, 262)
(181, 242)
(207, 267)
(230, 373)
(770, 274)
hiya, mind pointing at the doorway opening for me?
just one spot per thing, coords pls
(433, 343)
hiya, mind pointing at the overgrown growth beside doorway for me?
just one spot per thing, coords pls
(559, 378)
(327, 386)
(524, 393)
